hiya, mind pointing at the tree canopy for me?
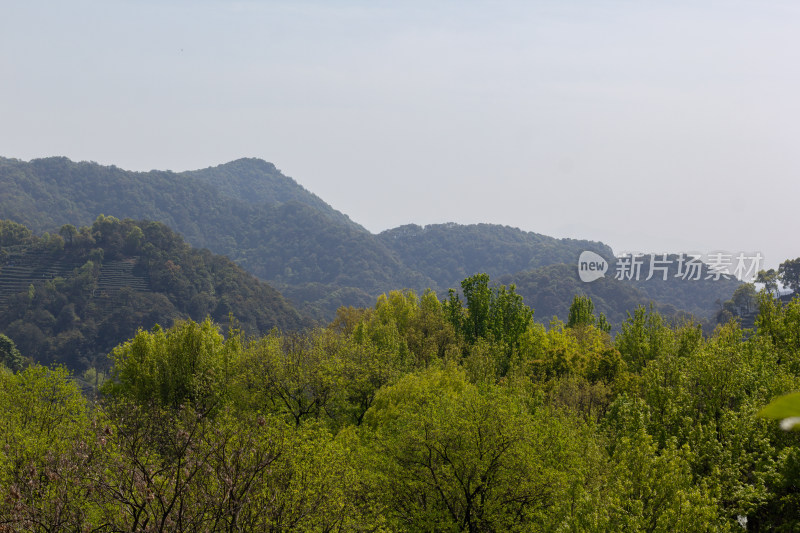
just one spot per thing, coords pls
(71, 301)
(316, 256)
(416, 414)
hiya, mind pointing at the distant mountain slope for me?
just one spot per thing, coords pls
(258, 182)
(294, 240)
(70, 298)
(549, 291)
(702, 297)
(294, 244)
(448, 253)
(282, 233)
(45, 194)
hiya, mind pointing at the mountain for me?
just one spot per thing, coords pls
(448, 253)
(549, 291)
(246, 210)
(260, 183)
(702, 297)
(280, 232)
(70, 298)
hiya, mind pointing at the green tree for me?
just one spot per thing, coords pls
(509, 316)
(770, 280)
(9, 354)
(189, 363)
(789, 274)
(298, 377)
(642, 338)
(68, 232)
(479, 300)
(581, 313)
(653, 490)
(745, 298)
(450, 456)
(43, 418)
(497, 314)
(13, 233)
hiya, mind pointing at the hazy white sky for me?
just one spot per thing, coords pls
(650, 126)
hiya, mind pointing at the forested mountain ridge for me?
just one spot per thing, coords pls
(448, 253)
(280, 232)
(45, 194)
(549, 290)
(49, 192)
(294, 240)
(258, 182)
(70, 298)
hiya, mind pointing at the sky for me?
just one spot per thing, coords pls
(649, 125)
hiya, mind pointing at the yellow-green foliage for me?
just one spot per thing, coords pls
(449, 455)
(391, 419)
(189, 363)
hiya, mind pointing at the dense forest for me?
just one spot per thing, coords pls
(314, 255)
(147, 384)
(70, 297)
(292, 239)
(417, 413)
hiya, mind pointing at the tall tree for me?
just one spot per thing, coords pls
(789, 273)
(770, 280)
(479, 299)
(581, 312)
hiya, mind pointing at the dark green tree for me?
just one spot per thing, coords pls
(581, 312)
(789, 273)
(68, 232)
(479, 299)
(770, 280)
(9, 354)
(12, 233)
(745, 298)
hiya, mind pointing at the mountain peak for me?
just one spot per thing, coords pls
(253, 163)
(258, 182)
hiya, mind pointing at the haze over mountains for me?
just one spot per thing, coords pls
(315, 255)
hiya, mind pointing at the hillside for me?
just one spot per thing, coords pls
(448, 253)
(280, 232)
(70, 298)
(702, 297)
(549, 291)
(544, 270)
(260, 183)
(293, 240)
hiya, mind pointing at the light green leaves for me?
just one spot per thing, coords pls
(189, 363)
(784, 408)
